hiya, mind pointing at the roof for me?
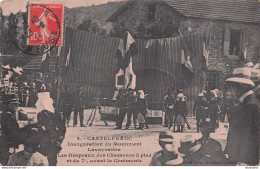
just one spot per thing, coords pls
(35, 63)
(231, 10)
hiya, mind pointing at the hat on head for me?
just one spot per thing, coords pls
(166, 136)
(188, 145)
(171, 156)
(241, 75)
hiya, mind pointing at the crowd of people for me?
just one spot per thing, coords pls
(240, 102)
(242, 106)
(41, 139)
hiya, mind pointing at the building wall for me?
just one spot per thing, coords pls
(167, 17)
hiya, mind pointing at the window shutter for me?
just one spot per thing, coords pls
(226, 42)
(245, 42)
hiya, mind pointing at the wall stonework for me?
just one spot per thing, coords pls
(166, 16)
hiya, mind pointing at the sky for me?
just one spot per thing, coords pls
(14, 6)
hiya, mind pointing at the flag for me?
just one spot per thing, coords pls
(6, 67)
(18, 70)
(68, 59)
(185, 58)
(126, 49)
(45, 60)
(206, 41)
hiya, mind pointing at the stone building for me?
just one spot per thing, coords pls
(233, 26)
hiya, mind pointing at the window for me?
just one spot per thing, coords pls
(151, 12)
(213, 80)
(232, 46)
(235, 39)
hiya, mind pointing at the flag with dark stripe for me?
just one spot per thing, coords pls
(126, 49)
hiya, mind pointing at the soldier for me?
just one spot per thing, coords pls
(181, 111)
(210, 152)
(122, 99)
(33, 95)
(213, 109)
(243, 135)
(142, 108)
(131, 110)
(10, 138)
(200, 109)
(169, 102)
(79, 107)
(67, 105)
(52, 126)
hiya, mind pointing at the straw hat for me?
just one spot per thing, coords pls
(166, 136)
(172, 157)
(189, 145)
(241, 75)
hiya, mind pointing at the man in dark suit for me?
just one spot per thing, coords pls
(243, 135)
(122, 100)
(200, 109)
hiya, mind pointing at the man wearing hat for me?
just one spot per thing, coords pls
(243, 136)
(200, 109)
(169, 102)
(211, 151)
(189, 148)
(169, 154)
(10, 138)
(142, 108)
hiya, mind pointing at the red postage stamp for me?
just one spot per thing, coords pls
(45, 24)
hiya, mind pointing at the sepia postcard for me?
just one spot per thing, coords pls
(130, 83)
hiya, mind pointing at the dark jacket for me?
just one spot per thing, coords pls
(142, 105)
(181, 108)
(211, 153)
(169, 101)
(54, 132)
(200, 108)
(10, 129)
(213, 108)
(243, 136)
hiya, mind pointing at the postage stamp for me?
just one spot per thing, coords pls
(45, 24)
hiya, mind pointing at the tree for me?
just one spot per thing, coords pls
(93, 27)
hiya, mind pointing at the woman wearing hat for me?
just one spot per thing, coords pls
(181, 111)
(243, 135)
(10, 138)
(169, 155)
